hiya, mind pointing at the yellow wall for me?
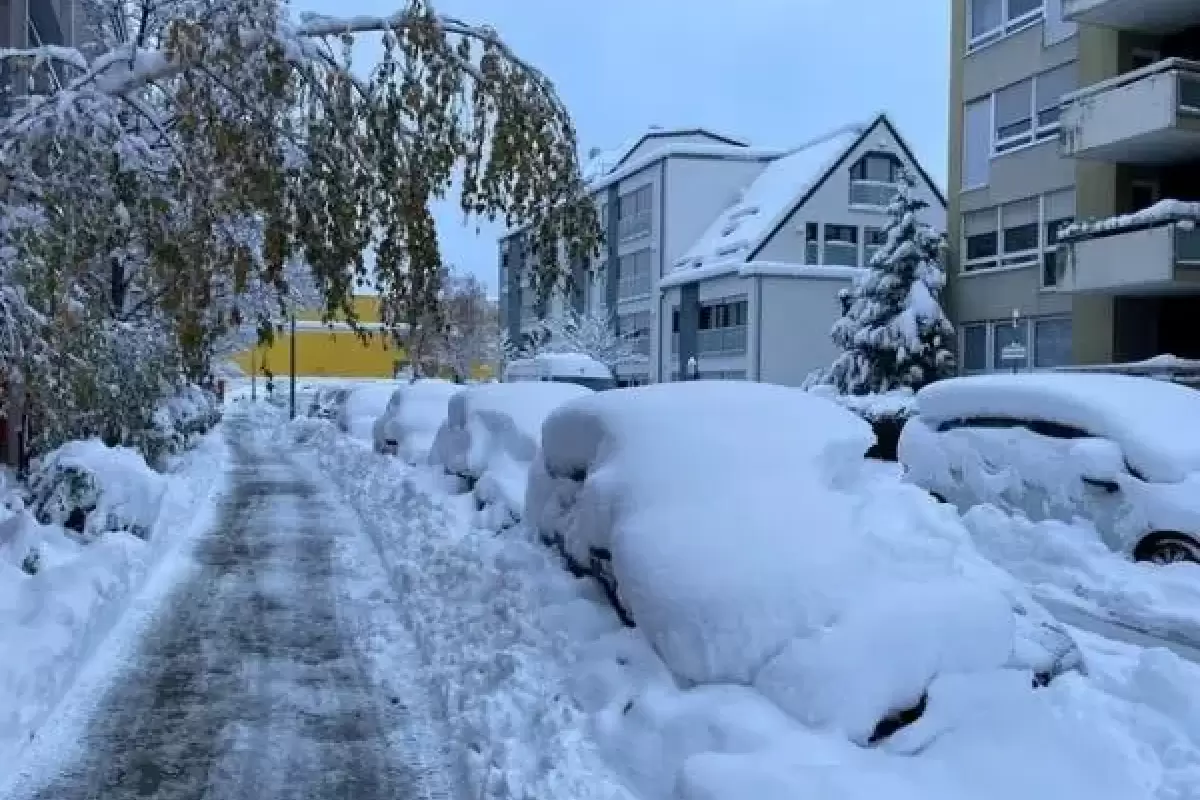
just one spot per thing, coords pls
(335, 353)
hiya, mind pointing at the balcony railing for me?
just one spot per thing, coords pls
(875, 194)
(1149, 16)
(1154, 250)
(1148, 116)
(634, 226)
(842, 254)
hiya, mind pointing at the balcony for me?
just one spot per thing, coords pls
(1149, 116)
(872, 194)
(1150, 253)
(1147, 16)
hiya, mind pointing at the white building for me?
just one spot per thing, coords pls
(728, 253)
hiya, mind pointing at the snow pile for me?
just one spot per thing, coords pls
(60, 591)
(91, 489)
(327, 401)
(364, 403)
(741, 228)
(1071, 563)
(411, 420)
(751, 546)
(1164, 211)
(540, 683)
(472, 600)
(490, 437)
(1148, 419)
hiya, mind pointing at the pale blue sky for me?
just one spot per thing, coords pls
(775, 72)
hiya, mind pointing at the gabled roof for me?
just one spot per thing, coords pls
(739, 234)
(743, 227)
(604, 162)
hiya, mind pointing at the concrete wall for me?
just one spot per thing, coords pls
(793, 318)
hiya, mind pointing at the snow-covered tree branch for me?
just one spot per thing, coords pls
(574, 332)
(176, 174)
(470, 333)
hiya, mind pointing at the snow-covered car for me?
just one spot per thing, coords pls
(1122, 452)
(491, 436)
(576, 368)
(364, 403)
(750, 540)
(416, 410)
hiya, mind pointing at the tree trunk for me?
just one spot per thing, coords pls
(15, 418)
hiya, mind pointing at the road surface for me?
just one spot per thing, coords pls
(261, 677)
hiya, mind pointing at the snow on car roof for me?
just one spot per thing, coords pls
(1156, 423)
(574, 364)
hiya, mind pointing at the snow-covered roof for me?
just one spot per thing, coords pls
(603, 162)
(741, 228)
(1161, 213)
(1153, 421)
(669, 148)
(751, 269)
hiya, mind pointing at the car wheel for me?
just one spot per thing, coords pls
(1167, 548)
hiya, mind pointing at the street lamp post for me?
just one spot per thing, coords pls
(292, 368)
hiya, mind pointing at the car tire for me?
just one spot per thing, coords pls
(1167, 548)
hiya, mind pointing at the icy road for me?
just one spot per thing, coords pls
(278, 669)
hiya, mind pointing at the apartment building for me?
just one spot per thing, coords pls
(728, 254)
(1068, 117)
(33, 23)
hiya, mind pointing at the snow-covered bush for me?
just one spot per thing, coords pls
(491, 437)
(885, 413)
(751, 545)
(190, 412)
(893, 332)
(89, 488)
(327, 402)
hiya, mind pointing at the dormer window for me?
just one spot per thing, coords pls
(873, 179)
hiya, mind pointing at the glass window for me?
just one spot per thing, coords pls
(977, 143)
(1014, 115)
(1019, 8)
(981, 239)
(1052, 342)
(846, 234)
(875, 167)
(1049, 88)
(1005, 334)
(974, 348)
(986, 16)
(812, 242)
(1021, 231)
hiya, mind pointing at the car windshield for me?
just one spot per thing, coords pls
(595, 384)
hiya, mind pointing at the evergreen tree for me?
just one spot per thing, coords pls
(893, 331)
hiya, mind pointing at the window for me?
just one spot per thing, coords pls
(873, 239)
(1004, 335)
(1052, 342)
(841, 245)
(873, 179)
(722, 327)
(974, 348)
(1020, 235)
(1013, 116)
(982, 240)
(1058, 209)
(634, 274)
(1050, 88)
(634, 212)
(977, 143)
(637, 328)
(812, 242)
(991, 20)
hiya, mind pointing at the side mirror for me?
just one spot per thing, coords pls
(1100, 463)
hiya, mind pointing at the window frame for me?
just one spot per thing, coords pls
(1007, 27)
(1016, 259)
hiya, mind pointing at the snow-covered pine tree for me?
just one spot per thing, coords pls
(893, 332)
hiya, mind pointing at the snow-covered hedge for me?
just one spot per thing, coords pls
(190, 412)
(90, 489)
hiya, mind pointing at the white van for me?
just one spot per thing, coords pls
(561, 368)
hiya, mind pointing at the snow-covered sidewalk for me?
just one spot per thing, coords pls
(548, 695)
(53, 621)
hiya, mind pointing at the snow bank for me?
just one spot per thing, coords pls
(61, 592)
(471, 599)
(362, 405)
(1149, 419)
(491, 435)
(751, 546)
(411, 420)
